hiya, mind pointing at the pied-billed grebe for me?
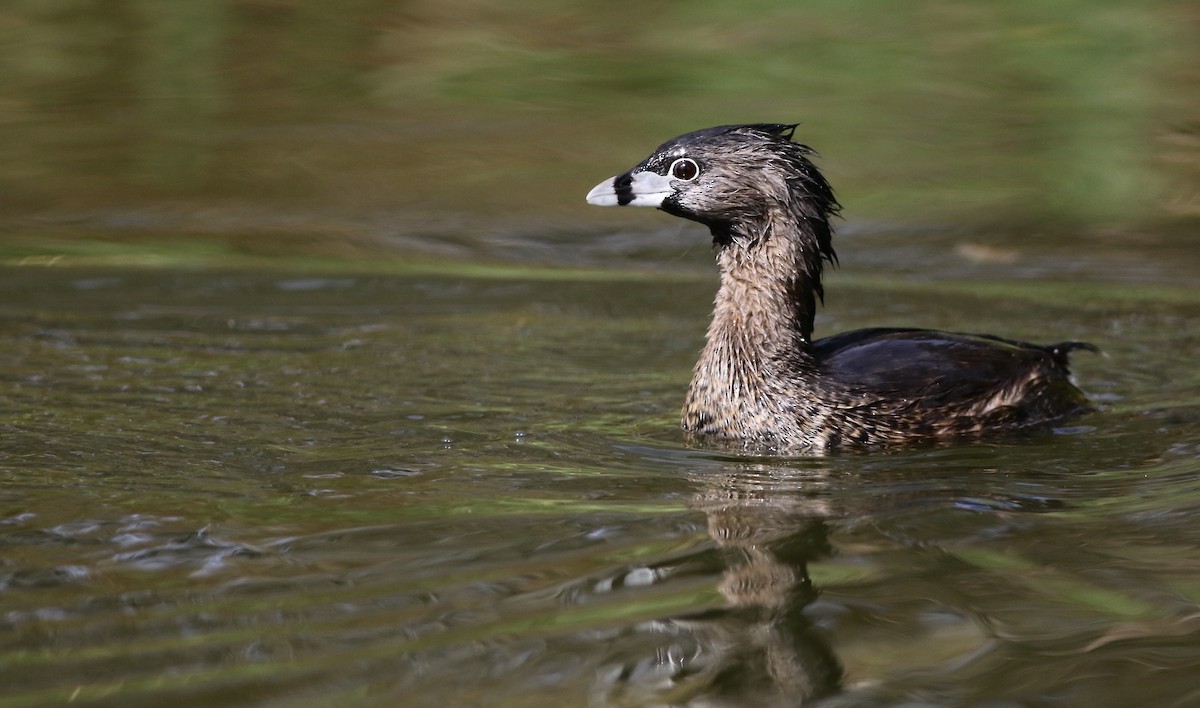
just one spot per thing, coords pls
(762, 383)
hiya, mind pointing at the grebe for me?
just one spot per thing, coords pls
(762, 383)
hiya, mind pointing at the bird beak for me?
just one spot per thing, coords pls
(632, 189)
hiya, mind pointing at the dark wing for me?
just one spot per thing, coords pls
(950, 370)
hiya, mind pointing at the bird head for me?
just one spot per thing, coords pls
(732, 178)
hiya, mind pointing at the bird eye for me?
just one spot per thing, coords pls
(685, 169)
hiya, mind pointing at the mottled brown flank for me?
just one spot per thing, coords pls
(762, 384)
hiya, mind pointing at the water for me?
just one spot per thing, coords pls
(431, 488)
(322, 386)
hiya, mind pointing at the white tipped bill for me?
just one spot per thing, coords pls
(647, 189)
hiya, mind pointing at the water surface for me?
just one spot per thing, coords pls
(294, 486)
(321, 385)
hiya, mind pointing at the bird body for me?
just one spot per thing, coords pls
(762, 383)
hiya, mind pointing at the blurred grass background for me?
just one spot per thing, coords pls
(176, 131)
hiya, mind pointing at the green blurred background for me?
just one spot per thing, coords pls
(369, 131)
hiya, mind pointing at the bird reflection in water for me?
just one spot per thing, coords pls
(769, 523)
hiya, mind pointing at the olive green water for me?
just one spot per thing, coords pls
(322, 386)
